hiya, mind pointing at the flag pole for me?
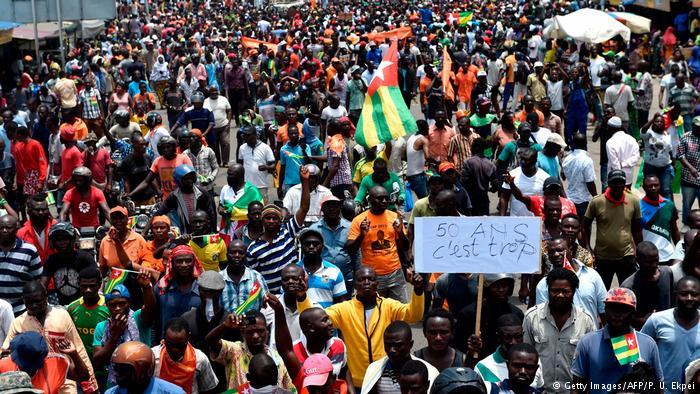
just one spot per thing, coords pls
(479, 301)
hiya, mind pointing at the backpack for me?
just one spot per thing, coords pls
(522, 71)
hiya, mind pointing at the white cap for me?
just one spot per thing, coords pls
(615, 121)
(539, 64)
(481, 73)
(557, 139)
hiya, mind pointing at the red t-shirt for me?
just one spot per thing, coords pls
(164, 168)
(29, 156)
(71, 158)
(83, 212)
(98, 164)
(537, 206)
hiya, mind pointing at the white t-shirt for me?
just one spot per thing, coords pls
(219, 108)
(556, 94)
(597, 64)
(658, 149)
(541, 135)
(252, 159)
(529, 186)
(667, 81)
(533, 46)
(329, 113)
(619, 97)
(159, 133)
(493, 73)
(292, 201)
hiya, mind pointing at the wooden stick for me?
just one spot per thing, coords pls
(479, 301)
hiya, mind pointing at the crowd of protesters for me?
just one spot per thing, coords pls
(297, 273)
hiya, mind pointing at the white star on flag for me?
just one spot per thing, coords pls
(630, 342)
(380, 70)
(451, 19)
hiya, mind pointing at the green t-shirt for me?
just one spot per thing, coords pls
(508, 154)
(393, 186)
(421, 209)
(144, 331)
(86, 319)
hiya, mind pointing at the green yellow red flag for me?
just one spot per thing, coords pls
(384, 115)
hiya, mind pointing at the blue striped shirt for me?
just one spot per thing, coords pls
(235, 294)
(269, 258)
(325, 284)
(17, 267)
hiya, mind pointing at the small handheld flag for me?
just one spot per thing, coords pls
(626, 348)
(209, 238)
(116, 276)
(131, 222)
(50, 199)
(255, 294)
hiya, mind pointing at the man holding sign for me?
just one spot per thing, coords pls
(379, 233)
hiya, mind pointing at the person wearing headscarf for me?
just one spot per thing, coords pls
(669, 40)
(178, 289)
(160, 226)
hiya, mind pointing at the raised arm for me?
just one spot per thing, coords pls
(300, 216)
(283, 340)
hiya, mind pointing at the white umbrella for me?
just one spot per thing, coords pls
(587, 25)
(637, 24)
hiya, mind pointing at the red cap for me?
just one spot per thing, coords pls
(460, 114)
(445, 166)
(621, 295)
(67, 132)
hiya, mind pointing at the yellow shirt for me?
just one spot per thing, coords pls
(210, 255)
(364, 167)
(349, 317)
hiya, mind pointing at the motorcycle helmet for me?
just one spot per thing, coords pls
(348, 209)
(121, 115)
(153, 119)
(82, 171)
(181, 171)
(59, 228)
(197, 97)
(165, 140)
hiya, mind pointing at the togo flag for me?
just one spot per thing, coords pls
(116, 276)
(626, 348)
(385, 115)
(462, 18)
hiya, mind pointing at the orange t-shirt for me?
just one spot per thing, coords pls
(423, 87)
(465, 84)
(81, 129)
(522, 116)
(282, 133)
(49, 378)
(148, 260)
(510, 68)
(379, 245)
(134, 245)
(165, 168)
